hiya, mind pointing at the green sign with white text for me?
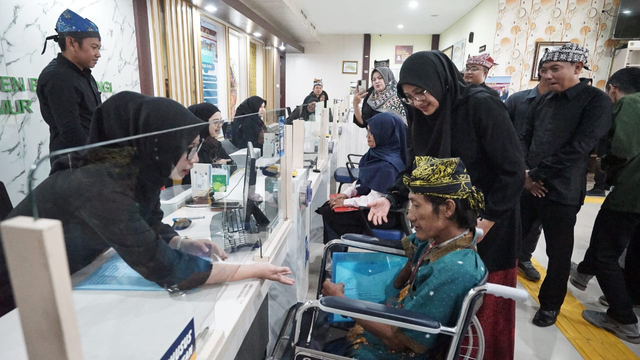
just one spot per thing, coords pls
(10, 84)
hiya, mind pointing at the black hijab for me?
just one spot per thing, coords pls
(435, 72)
(247, 124)
(250, 106)
(128, 114)
(204, 112)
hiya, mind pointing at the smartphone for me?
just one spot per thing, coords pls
(362, 85)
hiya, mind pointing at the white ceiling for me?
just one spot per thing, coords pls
(384, 16)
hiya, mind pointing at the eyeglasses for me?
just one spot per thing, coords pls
(408, 99)
(471, 69)
(192, 150)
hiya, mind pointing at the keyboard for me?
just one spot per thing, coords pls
(228, 230)
(233, 220)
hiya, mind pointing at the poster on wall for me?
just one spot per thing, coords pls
(402, 53)
(209, 44)
(499, 84)
(457, 54)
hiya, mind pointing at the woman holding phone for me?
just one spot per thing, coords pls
(379, 98)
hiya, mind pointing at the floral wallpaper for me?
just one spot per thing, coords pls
(522, 23)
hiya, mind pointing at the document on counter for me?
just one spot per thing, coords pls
(115, 274)
(366, 276)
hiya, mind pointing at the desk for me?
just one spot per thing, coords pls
(131, 324)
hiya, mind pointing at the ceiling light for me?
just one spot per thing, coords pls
(257, 34)
(400, 26)
(434, 15)
(282, 47)
(626, 12)
(413, 4)
(211, 8)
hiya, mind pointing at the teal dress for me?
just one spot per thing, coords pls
(440, 285)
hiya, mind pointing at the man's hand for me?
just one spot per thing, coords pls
(273, 273)
(379, 210)
(331, 289)
(536, 188)
(202, 247)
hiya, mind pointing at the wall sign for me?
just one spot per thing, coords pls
(11, 84)
(402, 53)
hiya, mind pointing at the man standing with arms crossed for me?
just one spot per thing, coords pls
(67, 91)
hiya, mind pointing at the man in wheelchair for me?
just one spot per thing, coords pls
(442, 263)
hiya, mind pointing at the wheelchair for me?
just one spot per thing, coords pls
(465, 339)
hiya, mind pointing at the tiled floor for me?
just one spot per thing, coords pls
(531, 342)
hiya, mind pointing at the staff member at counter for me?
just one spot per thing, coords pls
(109, 197)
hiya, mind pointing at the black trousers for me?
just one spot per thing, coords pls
(558, 221)
(613, 232)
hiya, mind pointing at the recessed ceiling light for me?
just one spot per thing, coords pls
(434, 15)
(413, 4)
(626, 12)
(257, 34)
(282, 47)
(400, 26)
(211, 8)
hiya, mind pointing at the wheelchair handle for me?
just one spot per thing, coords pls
(506, 292)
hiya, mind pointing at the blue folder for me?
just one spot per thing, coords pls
(366, 276)
(115, 274)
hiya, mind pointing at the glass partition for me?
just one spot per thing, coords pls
(160, 214)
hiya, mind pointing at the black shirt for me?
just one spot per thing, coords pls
(68, 97)
(367, 110)
(518, 106)
(560, 133)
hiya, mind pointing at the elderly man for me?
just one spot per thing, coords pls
(477, 69)
(562, 128)
(67, 91)
(442, 261)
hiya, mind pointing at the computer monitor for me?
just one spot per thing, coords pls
(251, 200)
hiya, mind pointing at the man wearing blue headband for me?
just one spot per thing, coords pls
(67, 91)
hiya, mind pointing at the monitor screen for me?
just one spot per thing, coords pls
(626, 23)
(251, 199)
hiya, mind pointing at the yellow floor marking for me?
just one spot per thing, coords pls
(591, 342)
(594, 199)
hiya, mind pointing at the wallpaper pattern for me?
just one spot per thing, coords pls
(522, 23)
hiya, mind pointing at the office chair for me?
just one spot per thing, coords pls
(349, 173)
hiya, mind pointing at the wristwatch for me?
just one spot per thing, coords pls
(391, 199)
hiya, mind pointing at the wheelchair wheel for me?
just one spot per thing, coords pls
(472, 347)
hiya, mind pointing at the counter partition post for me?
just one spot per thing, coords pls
(39, 271)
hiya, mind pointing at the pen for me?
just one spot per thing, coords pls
(189, 218)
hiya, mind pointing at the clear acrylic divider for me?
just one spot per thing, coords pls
(146, 215)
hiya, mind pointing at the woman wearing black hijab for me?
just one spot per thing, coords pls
(247, 123)
(450, 119)
(211, 151)
(109, 197)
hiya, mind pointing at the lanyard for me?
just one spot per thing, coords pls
(415, 270)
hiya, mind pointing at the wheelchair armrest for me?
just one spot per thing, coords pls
(507, 292)
(365, 310)
(366, 239)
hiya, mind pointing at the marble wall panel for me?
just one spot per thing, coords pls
(24, 138)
